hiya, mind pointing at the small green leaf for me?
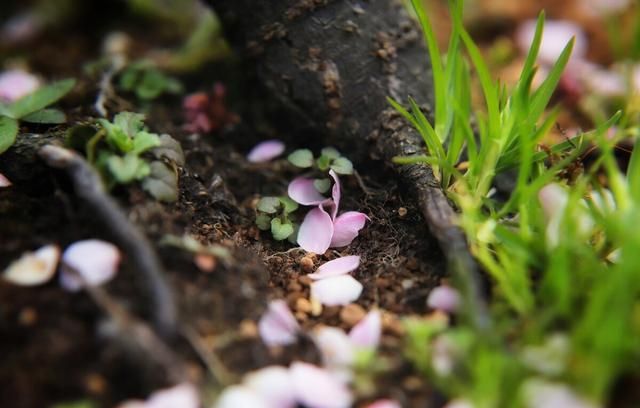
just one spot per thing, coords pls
(144, 141)
(8, 132)
(330, 153)
(127, 168)
(152, 85)
(342, 165)
(131, 123)
(78, 136)
(40, 98)
(301, 158)
(280, 230)
(322, 185)
(288, 204)
(263, 221)
(323, 163)
(53, 116)
(162, 182)
(269, 205)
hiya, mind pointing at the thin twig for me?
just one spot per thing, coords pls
(89, 188)
(216, 367)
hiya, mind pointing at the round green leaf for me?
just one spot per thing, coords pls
(322, 185)
(280, 230)
(301, 158)
(342, 165)
(268, 205)
(288, 204)
(330, 152)
(263, 221)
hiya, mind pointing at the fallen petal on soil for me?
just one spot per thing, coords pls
(367, 332)
(316, 231)
(15, 84)
(302, 191)
(444, 298)
(273, 385)
(266, 151)
(336, 267)
(336, 291)
(94, 260)
(278, 326)
(346, 228)
(318, 388)
(33, 268)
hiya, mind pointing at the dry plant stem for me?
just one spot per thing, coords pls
(138, 338)
(89, 188)
(332, 64)
(216, 367)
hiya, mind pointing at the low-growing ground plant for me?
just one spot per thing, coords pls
(32, 108)
(562, 254)
(147, 81)
(124, 151)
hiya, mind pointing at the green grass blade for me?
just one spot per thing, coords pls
(543, 94)
(40, 98)
(8, 132)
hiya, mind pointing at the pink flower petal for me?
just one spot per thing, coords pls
(368, 330)
(278, 326)
(317, 388)
(553, 199)
(444, 298)
(316, 231)
(240, 396)
(182, 395)
(4, 181)
(384, 403)
(15, 84)
(95, 260)
(302, 191)
(335, 346)
(346, 228)
(336, 291)
(336, 267)
(273, 385)
(266, 151)
(335, 194)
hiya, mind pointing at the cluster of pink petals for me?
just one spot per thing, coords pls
(384, 403)
(205, 113)
(444, 298)
(182, 395)
(15, 84)
(279, 387)
(333, 286)
(321, 230)
(266, 151)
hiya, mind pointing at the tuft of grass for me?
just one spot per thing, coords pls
(566, 287)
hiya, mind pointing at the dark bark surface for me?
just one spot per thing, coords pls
(332, 64)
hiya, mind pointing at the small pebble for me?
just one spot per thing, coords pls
(413, 383)
(306, 263)
(303, 305)
(248, 329)
(301, 316)
(28, 316)
(95, 384)
(316, 307)
(352, 314)
(204, 262)
(402, 211)
(391, 324)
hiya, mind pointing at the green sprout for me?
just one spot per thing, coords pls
(146, 81)
(329, 159)
(125, 151)
(32, 108)
(274, 214)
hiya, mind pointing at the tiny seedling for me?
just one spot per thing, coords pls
(125, 151)
(275, 214)
(329, 159)
(146, 81)
(32, 108)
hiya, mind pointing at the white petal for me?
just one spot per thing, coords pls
(339, 266)
(273, 385)
(317, 388)
(335, 346)
(239, 396)
(303, 191)
(95, 260)
(336, 291)
(368, 330)
(266, 151)
(540, 393)
(182, 395)
(4, 181)
(444, 298)
(386, 403)
(15, 84)
(315, 231)
(278, 326)
(33, 268)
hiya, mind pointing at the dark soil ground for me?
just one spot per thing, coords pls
(57, 346)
